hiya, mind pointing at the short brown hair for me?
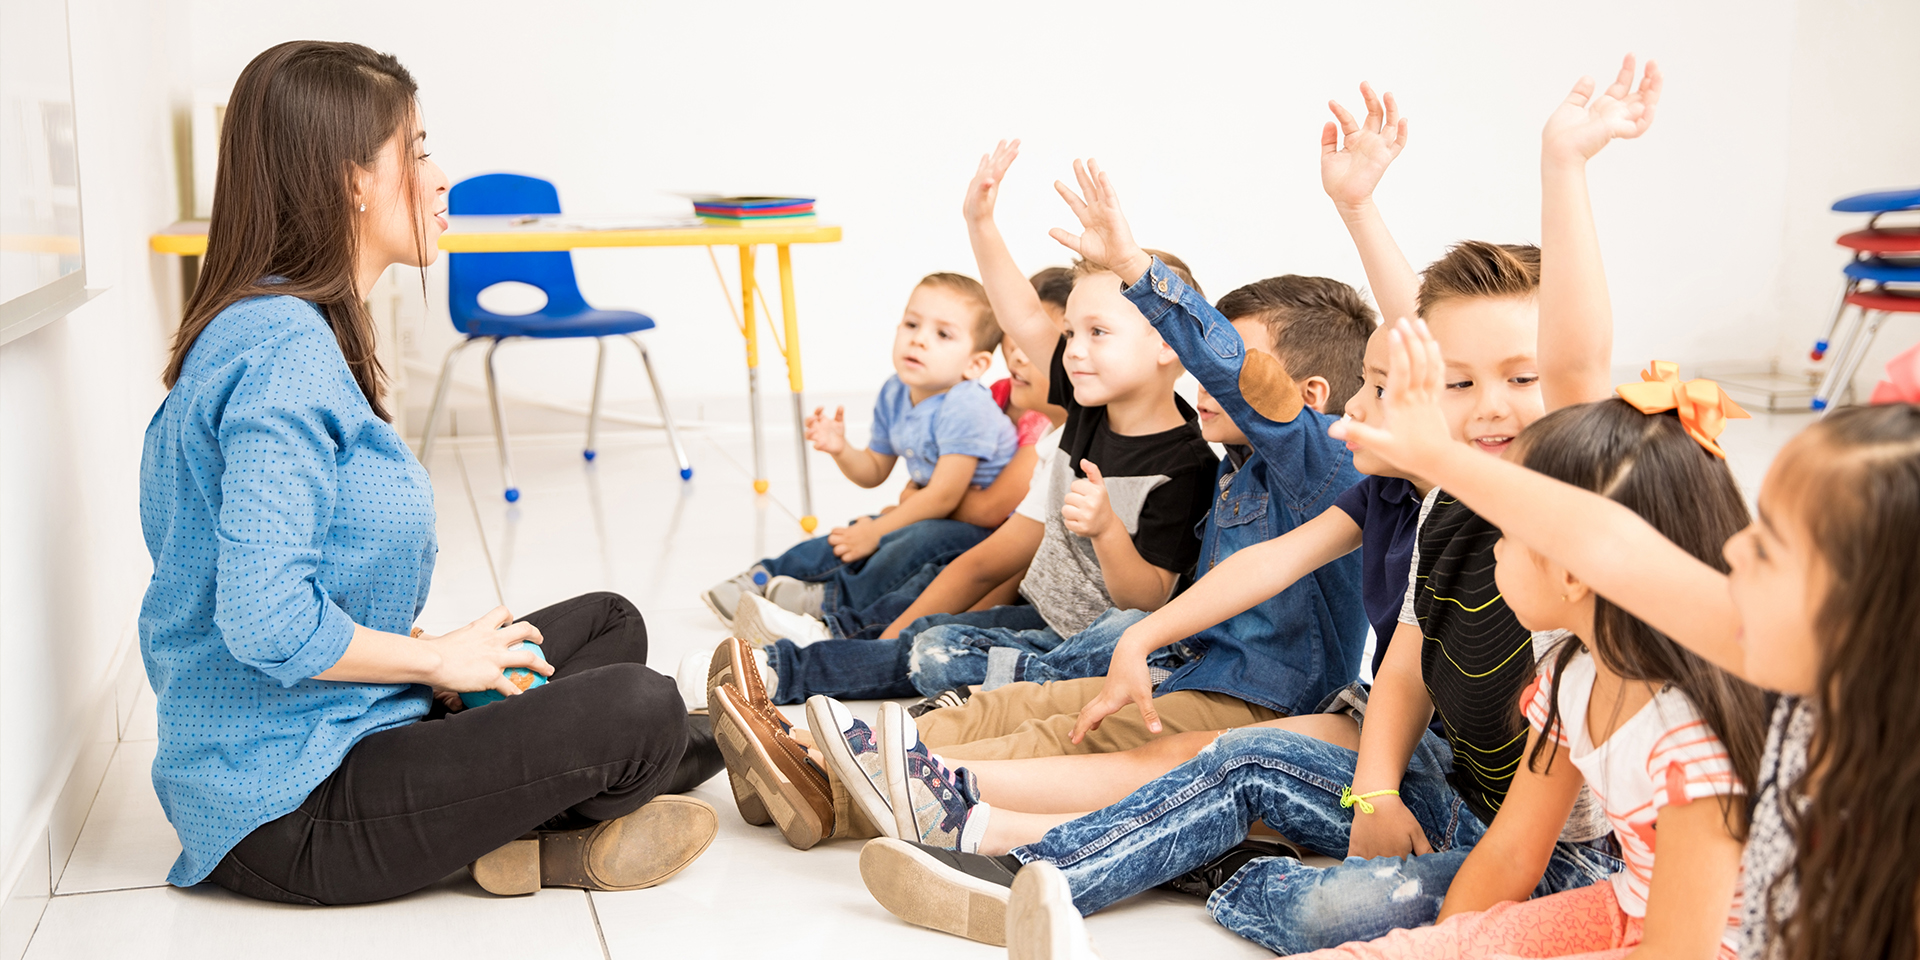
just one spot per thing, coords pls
(1319, 327)
(1476, 269)
(986, 330)
(1082, 268)
(1052, 285)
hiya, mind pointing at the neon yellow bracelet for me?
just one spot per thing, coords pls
(1350, 799)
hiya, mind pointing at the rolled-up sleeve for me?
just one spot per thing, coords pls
(278, 488)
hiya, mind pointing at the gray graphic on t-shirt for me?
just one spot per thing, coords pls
(1064, 582)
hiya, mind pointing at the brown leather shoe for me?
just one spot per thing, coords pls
(732, 665)
(641, 849)
(794, 791)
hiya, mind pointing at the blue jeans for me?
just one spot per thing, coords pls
(1202, 808)
(990, 656)
(864, 596)
(872, 669)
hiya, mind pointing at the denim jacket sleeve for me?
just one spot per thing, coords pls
(1306, 466)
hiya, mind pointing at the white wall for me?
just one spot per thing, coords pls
(74, 399)
(1209, 116)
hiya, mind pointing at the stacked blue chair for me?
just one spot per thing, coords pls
(1882, 279)
(565, 315)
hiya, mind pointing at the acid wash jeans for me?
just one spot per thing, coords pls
(992, 655)
(1203, 808)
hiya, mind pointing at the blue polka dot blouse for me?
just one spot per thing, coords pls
(280, 511)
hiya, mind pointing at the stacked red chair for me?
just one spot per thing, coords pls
(1881, 280)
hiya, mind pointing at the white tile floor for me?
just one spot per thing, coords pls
(624, 523)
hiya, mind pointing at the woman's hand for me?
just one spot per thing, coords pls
(477, 656)
(1391, 830)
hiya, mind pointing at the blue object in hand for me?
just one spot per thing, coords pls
(518, 676)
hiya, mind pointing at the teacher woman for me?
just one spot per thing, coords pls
(307, 752)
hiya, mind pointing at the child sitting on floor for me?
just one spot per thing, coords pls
(936, 415)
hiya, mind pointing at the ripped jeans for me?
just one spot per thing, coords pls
(1203, 808)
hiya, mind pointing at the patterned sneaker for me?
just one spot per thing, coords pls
(724, 597)
(1202, 881)
(931, 804)
(760, 621)
(793, 791)
(797, 596)
(951, 697)
(853, 757)
(1042, 922)
(964, 894)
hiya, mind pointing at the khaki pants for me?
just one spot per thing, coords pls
(1022, 720)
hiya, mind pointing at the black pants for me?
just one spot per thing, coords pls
(412, 804)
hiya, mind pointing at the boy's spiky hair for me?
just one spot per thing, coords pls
(1476, 269)
(1319, 327)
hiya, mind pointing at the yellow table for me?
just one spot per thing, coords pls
(508, 235)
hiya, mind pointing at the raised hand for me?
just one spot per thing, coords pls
(856, 541)
(1086, 511)
(477, 656)
(985, 188)
(1582, 124)
(1127, 682)
(1105, 239)
(828, 434)
(1350, 170)
(1412, 433)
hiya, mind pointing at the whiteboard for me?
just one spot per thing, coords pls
(42, 260)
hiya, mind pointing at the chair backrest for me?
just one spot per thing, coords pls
(503, 195)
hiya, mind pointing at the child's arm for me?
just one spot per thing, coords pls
(1609, 547)
(1132, 581)
(829, 436)
(1015, 305)
(1508, 862)
(1349, 172)
(1398, 711)
(989, 507)
(976, 573)
(1694, 874)
(952, 474)
(1003, 595)
(1241, 582)
(1576, 317)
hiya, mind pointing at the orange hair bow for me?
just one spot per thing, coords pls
(1704, 408)
(1902, 384)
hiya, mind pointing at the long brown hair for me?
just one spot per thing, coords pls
(301, 117)
(1649, 465)
(1855, 814)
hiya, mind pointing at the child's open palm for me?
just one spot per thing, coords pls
(1105, 239)
(1413, 434)
(1582, 124)
(828, 434)
(1350, 170)
(985, 188)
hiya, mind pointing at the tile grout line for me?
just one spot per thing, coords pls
(89, 893)
(594, 912)
(473, 504)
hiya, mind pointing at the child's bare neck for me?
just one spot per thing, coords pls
(917, 394)
(1153, 411)
(1613, 701)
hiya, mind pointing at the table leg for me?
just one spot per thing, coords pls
(750, 328)
(807, 519)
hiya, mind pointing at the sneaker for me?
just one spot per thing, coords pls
(724, 597)
(1042, 922)
(1204, 880)
(641, 849)
(733, 666)
(964, 894)
(853, 758)
(760, 622)
(793, 790)
(797, 596)
(702, 670)
(956, 696)
(931, 804)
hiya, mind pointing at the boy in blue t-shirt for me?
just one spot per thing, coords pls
(933, 413)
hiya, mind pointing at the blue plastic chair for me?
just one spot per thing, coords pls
(565, 315)
(1884, 262)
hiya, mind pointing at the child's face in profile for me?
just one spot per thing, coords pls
(933, 346)
(1215, 425)
(1029, 381)
(1535, 589)
(1493, 377)
(1111, 348)
(1777, 578)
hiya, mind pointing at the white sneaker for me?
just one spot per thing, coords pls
(724, 597)
(696, 669)
(797, 596)
(1042, 922)
(760, 621)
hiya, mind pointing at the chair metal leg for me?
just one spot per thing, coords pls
(593, 412)
(440, 401)
(500, 424)
(1841, 376)
(1848, 335)
(666, 416)
(1839, 310)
